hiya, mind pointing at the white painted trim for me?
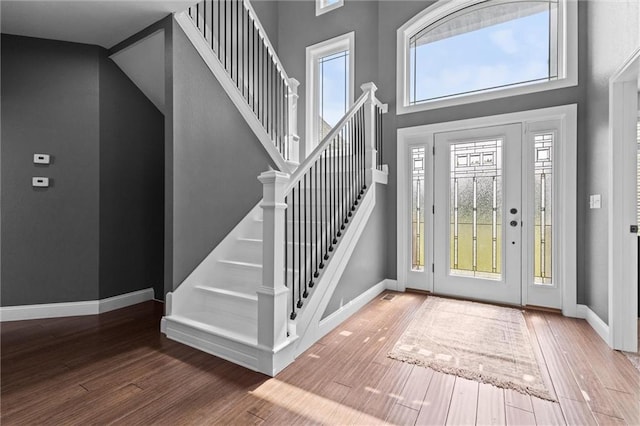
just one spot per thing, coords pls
(622, 256)
(336, 318)
(567, 66)
(567, 114)
(320, 9)
(393, 285)
(313, 53)
(71, 309)
(210, 59)
(584, 312)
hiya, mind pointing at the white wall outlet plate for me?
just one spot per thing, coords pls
(40, 182)
(594, 201)
(41, 158)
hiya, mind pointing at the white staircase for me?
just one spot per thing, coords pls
(258, 298)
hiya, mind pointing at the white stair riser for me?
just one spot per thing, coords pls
(246, 250)
(233, 274)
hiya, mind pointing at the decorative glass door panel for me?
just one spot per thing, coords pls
(477, 239)
(476, 209)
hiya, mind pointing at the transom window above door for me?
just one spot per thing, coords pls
(472, 50)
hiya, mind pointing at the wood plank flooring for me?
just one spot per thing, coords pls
(116, 368)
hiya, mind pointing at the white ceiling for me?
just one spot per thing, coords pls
(101, 22)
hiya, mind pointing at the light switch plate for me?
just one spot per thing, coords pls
(41, 158)
(594, 201)
(40, 182)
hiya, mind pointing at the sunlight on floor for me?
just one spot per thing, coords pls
(309, 405)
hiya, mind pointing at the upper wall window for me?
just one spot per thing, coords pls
(466, 51)
(324, 6)
(329, 86)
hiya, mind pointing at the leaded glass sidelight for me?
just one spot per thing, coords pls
(476, 209)
(417, 208)
(543, 208)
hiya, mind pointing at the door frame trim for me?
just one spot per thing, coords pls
(567, 114)
(623, 259)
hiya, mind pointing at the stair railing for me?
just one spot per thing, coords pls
(305, 214)
(234, 34)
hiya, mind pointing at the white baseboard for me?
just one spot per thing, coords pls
(70, 309)
(600, 327)
(339, 316)
(392, 285)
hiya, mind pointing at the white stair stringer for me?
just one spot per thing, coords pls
(308, 325)
(215, 309)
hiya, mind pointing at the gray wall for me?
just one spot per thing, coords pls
(70, 101)
(215, 161)
(300, 27)
(367, 266)
(131, 186)
(267, 11)
(612, 29)
(50, 236)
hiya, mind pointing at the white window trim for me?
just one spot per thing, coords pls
(313, 53)
(322, 7)
(567, 66)
(565, 273)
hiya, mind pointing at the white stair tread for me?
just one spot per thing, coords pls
(240, 264)
(227, 292)
(202, 321)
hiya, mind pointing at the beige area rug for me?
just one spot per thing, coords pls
(481, 342)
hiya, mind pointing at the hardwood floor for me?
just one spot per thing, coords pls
(118, 368)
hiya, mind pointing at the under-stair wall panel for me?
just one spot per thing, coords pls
(216, 159)
(367, 266)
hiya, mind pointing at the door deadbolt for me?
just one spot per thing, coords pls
(513, 211)
(513, 223)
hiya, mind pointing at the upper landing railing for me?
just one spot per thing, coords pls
(234, 34)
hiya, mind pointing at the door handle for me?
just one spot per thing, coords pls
(513, 223)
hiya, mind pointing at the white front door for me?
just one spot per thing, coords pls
(477, 213)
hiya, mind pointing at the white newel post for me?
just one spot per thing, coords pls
(369, 131)
(292, 136)
(272, 296)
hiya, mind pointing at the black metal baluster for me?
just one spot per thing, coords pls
(323, 197)
(211, 26)
(317, 224)
(343, 175)
(218, 31)
(234, 66)
(334, 187)
(364, 154)
(354, 129)
(293, 252)
(330, 194)
(339, 185)
(306, 225)
(238, 50)
(299, 250)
